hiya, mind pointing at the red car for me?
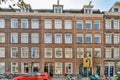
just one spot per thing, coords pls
(34, 76)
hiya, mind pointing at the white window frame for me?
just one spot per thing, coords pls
(69, 66)
(79, 22)
(80, 52)
(24, 37)
(35, 23)
(59, 52)
(2, 37)
(2, 52)
(68, 40)
(14, 23)
(49, 52)
(108, 38)
(24, 52)
(97, 52)
(116, 52)
(14, 53)
(24, 22)
(58, 40)
(14, 67)
(108, 24)
(2, 23)
(89, 35)
(58, 24)
(35, 38)
(48, 24)
(90, 22)
(23, 66)
(98, 35)
(15, 37)
(48, 40)
(68, 53)
(116, 24)
(108, 53)
(58, 68)
(116, 38)
(2, 67)
(57, 9)
(36, 52)
(68, 24)
(89, 53)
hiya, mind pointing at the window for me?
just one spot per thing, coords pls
(34, 38)
(108, 53)
(68, 68)
(79, 25)
(116, 52)
(68, 52)
(48, 24)
(14, 37)
(58, 38)
(80, 52)
(68, 38)
(58, 52)
(108, 38)
(89, 52)
(48, 38)
(35, 24)
(24, 23)
(58, 68)
(58, 24)
(88, 38)
(88, 25)
(88, 11)
(97, 38)
(2, 37)
(97, 52)
(24, 37)
(14, 67)
(107, 24)
(68, 24)
(2, 67)
(116, 38)
(24, 52)
(25, 68)
(14, 23)
(2, 23)
(80, 38)
(35, 52)
(48, 52)
(2, 52)
(116, 24)
(96, 25)
(57, 9)
(14, 52)
(116, 10)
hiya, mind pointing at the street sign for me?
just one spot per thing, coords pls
(87, 62)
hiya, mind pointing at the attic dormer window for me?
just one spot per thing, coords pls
(58, 10)
(116, 9)
(24, 10)
(88, 11)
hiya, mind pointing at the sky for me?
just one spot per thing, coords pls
(103, 5)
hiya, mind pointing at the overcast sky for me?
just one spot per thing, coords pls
(103, 5)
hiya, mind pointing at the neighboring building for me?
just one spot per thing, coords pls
(58, 41)
(112, 40)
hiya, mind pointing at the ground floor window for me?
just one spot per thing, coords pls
(14, 67)
(68, 68)
(58, 68)
(2, 67)
(25, 68)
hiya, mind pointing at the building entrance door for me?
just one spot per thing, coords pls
(48, 68)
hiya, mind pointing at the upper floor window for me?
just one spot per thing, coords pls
(68, 24)
(88, 38)
(58, 38)
(24, 23)
(14, 23)
(108, 24)
(80, 38)
(57, 9)
(68, 52)
(35, 38)
(48, 52)
(116, 24)
(48, 24)
(116, 38)
(14, 37)
(58, 52)
(2, 37)
(2, 23)
(68, 38)
(97, 38)
(2, 52)
(24, 37)
(14, 52)
(116, 52)
(79, 25)
(80, 52)
(89, 52)
(35, 24)
(88, 11)
(24, 52)
(97, 52)
(48, 38)
(108, 53)
(88, 25)
(35, 52)
(108, 38)
(116, 9)
(96, 25)
(58, 24)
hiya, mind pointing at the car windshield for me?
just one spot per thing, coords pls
(35, 74)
